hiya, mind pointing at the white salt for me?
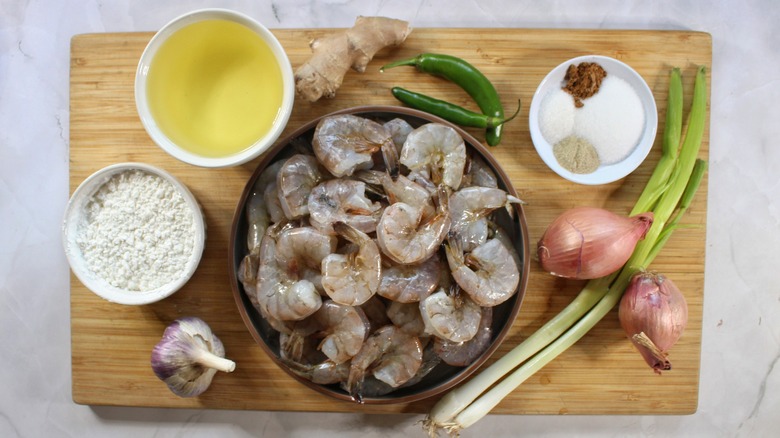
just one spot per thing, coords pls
(556, 115)
(612, 120)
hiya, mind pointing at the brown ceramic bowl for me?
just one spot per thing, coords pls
(443, 376)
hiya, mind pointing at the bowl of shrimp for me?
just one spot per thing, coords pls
(379, 254)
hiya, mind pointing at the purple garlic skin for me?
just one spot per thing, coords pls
(188, 356)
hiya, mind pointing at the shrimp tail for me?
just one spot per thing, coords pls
(508, 206)
(390, 157)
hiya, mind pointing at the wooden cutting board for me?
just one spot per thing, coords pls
(602, 374)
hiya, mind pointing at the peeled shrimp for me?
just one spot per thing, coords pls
(461, 354)
(488, 274)
(342, 328)
(410, 283)
(470, 207)
(341, 200)
(300, 252)
(407, 317)
(345, 143)
(390, 355)
(352, 278)
(295, 180)
(281, 295)
(437, 149)
(454, 317)
(404, 238)
(258, 216)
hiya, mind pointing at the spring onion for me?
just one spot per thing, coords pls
(667, 195)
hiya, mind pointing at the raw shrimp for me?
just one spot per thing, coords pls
(376, 312)
(400, 189)
(343, 329)
(429, 361)
(403, 236)
(300, 252)
(437, 149)
(279, 294)
(407, 317)
(470, 207)
(341, 200)
(454, 317)
(352, 278)
(390, 355)
(273, 204)
(399, 129)
(478, 173)
(247, 275)
(488, 274)
(345, 143)
(297, 343)
(461, 354)
(410, 283)
(423, 179)
(295, 180)
(324, 373)
(257, 209)
(502, 236)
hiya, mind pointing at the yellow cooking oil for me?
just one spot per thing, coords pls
(214, 88)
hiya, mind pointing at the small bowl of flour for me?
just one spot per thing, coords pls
(133, 234)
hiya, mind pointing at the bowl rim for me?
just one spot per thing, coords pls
(161, 139)
(101, 288)
(397, 111)
(605, 173)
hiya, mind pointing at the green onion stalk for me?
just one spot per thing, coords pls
(668, 194)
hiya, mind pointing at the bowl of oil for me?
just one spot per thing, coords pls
(214, 88)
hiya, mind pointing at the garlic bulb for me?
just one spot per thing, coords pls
(188, 356)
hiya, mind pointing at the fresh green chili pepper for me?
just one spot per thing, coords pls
(448, 111)
(467, 77)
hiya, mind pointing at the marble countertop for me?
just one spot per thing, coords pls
(740, 380)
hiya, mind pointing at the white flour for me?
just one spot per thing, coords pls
(138, 233)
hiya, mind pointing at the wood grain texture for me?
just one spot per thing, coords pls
(602, 374)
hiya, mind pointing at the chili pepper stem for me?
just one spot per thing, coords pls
(411, 61)
(493, 122)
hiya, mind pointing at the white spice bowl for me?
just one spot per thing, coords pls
(72, 227)
(606, 173)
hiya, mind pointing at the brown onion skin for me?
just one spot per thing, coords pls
(653, 305)
(588, 242)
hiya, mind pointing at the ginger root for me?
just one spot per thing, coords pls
(333, 55)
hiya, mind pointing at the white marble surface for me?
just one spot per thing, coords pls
(740, 379)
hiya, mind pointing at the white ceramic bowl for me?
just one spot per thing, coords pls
(74, 220)
(606, 173)
(151, 125)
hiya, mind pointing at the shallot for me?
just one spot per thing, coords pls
(653, 313)
(588, 242)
